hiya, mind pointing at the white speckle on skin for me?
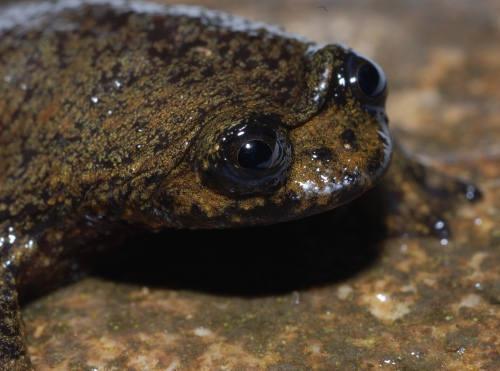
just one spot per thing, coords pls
(341, 80)
(389, 361)
(416, 354)
(29, 244)
(329, 186)
(11, 238)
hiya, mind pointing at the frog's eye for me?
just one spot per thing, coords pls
(367, 79)
(252, 158)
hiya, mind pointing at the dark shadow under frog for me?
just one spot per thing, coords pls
(119, 116)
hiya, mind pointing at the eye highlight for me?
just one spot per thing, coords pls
(256, 154)
(252, 157)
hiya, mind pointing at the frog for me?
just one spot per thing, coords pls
(117, 116)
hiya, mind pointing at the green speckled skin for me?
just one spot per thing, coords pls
(109, 111)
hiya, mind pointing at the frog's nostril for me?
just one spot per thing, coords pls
(349, 139)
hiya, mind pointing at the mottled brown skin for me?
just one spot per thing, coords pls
(110, 112)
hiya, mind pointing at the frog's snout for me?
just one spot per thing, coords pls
(345, 149)
(341, 163)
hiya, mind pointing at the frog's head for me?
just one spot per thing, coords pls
(267, 158)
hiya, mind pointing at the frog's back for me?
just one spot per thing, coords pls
(99, 95)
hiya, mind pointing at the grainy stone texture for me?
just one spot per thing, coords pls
(307, 295)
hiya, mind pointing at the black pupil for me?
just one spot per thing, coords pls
(369, 79)
(255, 154)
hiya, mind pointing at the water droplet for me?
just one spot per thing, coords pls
(29, 244)
(439, 225)
(94, 99)
(472, 193)
(11, 238)
(382, 297)
(416, 354)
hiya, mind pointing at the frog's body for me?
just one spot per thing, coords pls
(115, 114)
